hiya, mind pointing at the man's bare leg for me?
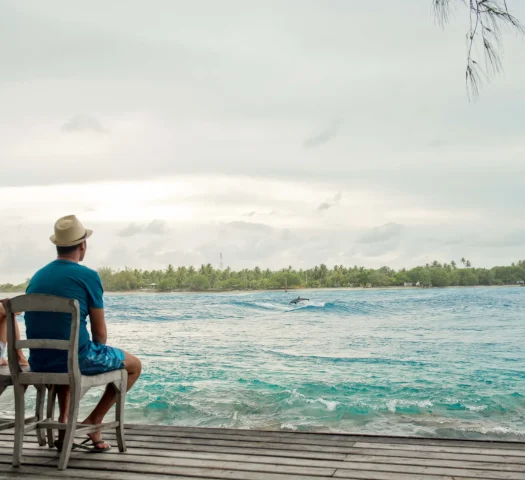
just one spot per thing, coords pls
(22, 360)
(63, 394)
(134, 368)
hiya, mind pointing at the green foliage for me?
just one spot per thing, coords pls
(199, 283)
(9, 287)
(207, 278)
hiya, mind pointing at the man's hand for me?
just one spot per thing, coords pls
(98, 325)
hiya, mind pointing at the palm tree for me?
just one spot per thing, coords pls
(453, 264)
(468, 264)
(463, 261)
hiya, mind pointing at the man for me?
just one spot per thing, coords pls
(64, 277)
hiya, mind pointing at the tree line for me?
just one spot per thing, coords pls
(208, 278)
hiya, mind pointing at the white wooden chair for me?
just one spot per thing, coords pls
(78, 383)
(7, 423)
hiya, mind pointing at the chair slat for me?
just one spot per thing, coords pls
(42, 303)
(44, 378)
(47, 344)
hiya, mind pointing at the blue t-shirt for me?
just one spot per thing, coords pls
(64, 279)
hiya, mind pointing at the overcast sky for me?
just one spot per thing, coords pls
(277, 132)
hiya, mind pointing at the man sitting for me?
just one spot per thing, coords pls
(64, 277)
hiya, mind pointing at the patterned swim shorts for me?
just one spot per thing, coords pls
(100, 359)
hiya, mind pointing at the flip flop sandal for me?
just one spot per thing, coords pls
(92, 449)
(59, 445)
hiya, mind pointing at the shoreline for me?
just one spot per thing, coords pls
(291, 290)
(146, 291)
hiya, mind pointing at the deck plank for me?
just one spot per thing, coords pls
(503, 465)
(167, 442)
(161, 448)
(165, 452)
(197, 469)
(47, 472)
(313, 438)
(297, 458)
(142, 463)
(445, 448)
(331, 436)
(469, 457)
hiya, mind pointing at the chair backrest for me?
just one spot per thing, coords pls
(43, 303)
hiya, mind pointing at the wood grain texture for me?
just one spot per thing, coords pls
(163, 453)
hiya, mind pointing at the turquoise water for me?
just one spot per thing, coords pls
(436, 362)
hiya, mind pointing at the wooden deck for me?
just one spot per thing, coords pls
(160, 452)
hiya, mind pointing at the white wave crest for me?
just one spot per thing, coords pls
(330, 405)
(393, 404)
(288, 426)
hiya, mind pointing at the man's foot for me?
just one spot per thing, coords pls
(98, 447)
(96, 437)
(22, 361)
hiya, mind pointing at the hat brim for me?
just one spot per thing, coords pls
(71, 244)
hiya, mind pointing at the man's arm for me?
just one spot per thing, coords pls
(99, 330)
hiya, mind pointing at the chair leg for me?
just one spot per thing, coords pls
(51, 398)
(68, 443)
(39, 413)
(70, 429)
(19, 424)
(119, 411)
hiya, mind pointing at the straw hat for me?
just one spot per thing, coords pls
(69, 232)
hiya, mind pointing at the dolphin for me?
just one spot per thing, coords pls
(299, 299)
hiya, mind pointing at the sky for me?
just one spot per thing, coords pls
(278, 133)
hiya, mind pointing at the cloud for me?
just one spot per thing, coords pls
(131, 230)
(506, 239)
(216, 132)
(83, 123)
(381, 233)
(250, 214)
(437, 143)
(155, 227)
(335, 200)
(384, 240)
(247, 227)
(324, 136)
(21, 259)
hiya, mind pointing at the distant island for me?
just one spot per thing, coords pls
(208, 278)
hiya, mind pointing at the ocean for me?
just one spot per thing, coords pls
(427, 362)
